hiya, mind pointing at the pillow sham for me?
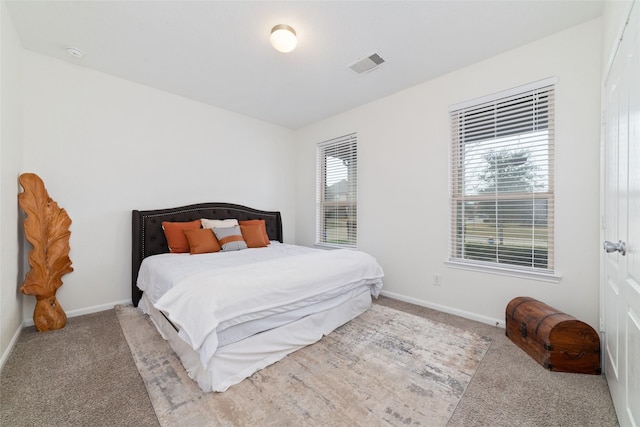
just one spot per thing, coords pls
(176, 240)
(218, 223)
(259, 222)
(230, 238)
(253, 236)
(201, 241)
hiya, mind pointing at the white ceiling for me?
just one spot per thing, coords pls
(218, 52)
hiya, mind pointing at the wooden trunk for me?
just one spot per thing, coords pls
(556, 340)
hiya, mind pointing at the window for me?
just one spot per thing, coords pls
(502, 204)
(337, 191)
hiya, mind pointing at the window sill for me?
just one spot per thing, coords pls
(329, 246)
(551, 277)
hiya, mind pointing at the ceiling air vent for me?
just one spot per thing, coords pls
(369, 63)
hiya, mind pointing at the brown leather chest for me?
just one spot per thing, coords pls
(556, 340)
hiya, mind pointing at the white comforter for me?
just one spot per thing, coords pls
(209, 301)
(159, 273)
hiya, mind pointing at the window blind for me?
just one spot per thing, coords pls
(337, 191)
(502, 203)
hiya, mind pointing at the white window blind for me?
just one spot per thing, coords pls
(337, 191)
(502, 203)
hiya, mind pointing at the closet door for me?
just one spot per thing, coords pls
(621, 225)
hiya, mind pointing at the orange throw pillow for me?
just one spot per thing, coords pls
(201, 241)
(253, 236)
(262, 224)
(176, 239)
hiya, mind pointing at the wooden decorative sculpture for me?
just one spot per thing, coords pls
(47, 229)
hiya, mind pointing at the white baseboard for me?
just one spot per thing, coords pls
(86, 310)
(466, 314)
(12, 343)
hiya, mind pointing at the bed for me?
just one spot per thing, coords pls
(231, 313)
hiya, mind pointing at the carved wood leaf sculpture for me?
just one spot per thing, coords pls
(46, 227)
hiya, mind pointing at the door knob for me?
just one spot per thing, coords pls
(615, 247)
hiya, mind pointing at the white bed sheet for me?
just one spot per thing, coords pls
(167, 278)
(159, 273)
(246, 329)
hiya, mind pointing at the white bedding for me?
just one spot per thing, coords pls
(235, 362)
(209, 293)
(159, 273)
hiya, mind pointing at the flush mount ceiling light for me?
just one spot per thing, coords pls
(283, 38)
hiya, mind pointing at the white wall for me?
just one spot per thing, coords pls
(104, 146)
(614, 17)
(403, 179)
(10, 163)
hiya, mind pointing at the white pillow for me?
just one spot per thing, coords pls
(218, 223)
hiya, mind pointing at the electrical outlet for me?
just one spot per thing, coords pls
(437, 280)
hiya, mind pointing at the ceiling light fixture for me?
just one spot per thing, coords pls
(283, 38)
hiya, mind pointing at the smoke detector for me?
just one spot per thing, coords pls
(367, 64)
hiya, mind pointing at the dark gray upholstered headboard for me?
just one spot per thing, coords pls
(148, 237)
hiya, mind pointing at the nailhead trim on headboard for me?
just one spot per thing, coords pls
(148, 237)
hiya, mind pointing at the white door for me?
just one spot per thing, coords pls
(621, 231)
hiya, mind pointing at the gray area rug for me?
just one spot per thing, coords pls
(384, 367)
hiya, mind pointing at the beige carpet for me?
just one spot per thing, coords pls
(384, 367)
(82, 375)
